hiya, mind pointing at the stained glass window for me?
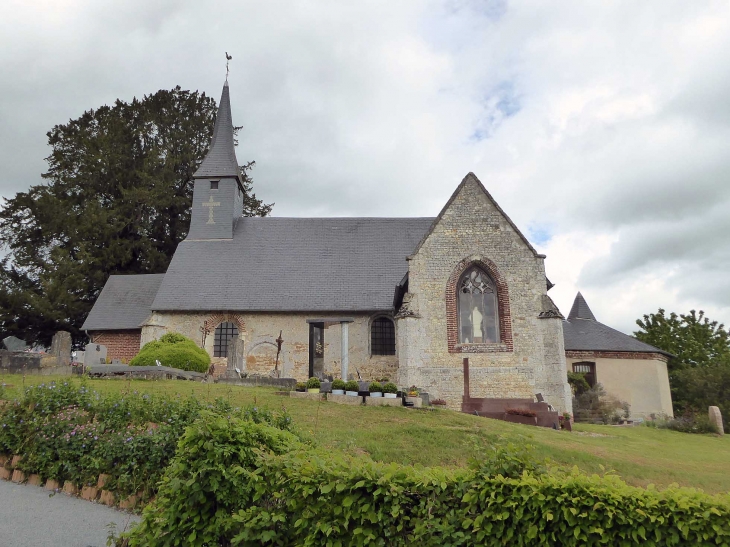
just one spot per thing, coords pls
(478, 312)
(224, 333)
(382, 336)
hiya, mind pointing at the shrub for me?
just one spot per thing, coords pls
(313, 383)
(390, 387)
(301, 386)
(688, 422)
(595, 405)
(375, 387)
(352, 385)
(241, 484)
(173, 350)
(696, 389)
(578, 383)
(338, 384)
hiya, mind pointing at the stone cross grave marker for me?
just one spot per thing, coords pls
(94, 354)
(14, 344)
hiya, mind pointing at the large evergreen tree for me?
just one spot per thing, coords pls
(116, 199)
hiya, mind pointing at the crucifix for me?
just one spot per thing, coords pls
(210, 204)
(228, 58)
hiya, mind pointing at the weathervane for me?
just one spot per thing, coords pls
(228, 58)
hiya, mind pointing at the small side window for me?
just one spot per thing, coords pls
(214, 185)
(588, 370)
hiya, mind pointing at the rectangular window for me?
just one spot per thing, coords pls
(588, 370)
(214, 185)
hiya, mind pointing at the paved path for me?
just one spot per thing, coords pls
(29, 517)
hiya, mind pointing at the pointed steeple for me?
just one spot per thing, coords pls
(580, 309)
(220, 161)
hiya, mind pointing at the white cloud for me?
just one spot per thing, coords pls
(602, 128)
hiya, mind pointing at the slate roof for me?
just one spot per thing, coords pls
(124, 302)
(583, 333)
(220, 161)
(293, 264)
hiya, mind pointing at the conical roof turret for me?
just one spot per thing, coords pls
(580, 309)
(220, 161)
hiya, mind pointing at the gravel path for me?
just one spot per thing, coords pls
(30, 517)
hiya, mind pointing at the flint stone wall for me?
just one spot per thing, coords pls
(259, 332)
(472, 227)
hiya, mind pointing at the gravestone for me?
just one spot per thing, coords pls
(94, 354)
(236, 359)
(79, 357)
(716, 418)
(61, 348)
(14, 344)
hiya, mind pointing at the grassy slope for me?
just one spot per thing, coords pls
(640, 455)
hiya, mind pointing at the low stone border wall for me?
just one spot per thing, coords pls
(96, 493)
(254, 381)
(348, 399)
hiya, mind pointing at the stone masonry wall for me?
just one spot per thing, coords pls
(122, 345)
(259, 332)
(530, 357)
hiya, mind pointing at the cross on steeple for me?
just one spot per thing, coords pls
(210, 204)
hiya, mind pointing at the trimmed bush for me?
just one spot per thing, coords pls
(352, 385)
(375, 387)
(338, 384)
(313, 383)
(173, 350)
(241, 484)
(390, 387)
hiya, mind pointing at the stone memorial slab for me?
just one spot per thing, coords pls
(61, 348)
(716, 418)
(94, 354)
(13, 343)
(236, 359)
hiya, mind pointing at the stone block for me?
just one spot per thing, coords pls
(35, 480)
(16, 461)
(61, 348)
(94, 354)
(52, 484)
(382, 401)
(716, 418)
(107, 498)
(129, 503)
(18, 476)
(417, 401)
(70, 488)
(306, 395)
(3, 459)
(5, 473)
(344, 399)
(89, 493)
(103, 479)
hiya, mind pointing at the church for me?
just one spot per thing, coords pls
(406, 299)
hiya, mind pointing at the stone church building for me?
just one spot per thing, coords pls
(400, 298)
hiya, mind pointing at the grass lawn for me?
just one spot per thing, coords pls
(640, 455)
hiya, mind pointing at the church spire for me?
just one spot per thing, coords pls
(220, 161)
(580, 309)
(218, 187)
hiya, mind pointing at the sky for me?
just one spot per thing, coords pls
(601, 128)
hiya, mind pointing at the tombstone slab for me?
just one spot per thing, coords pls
(13, 343)
(716, 418)
(61, 348)
(236, 359)
(94, 354)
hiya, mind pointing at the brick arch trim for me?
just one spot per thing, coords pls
(503, 309)
(212, 321)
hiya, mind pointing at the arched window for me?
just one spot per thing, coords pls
(224, 333)
(382, 336)
(478, 308)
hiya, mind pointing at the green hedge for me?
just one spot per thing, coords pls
(173, 350)
(235, 483)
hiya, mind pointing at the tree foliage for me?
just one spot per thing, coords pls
(116, 199)
(692, 338)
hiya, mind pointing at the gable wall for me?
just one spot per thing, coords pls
(472, 229)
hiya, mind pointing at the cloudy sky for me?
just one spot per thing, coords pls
(601, 128)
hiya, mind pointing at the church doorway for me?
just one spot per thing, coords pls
(316, 349)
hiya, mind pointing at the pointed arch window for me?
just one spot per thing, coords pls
(478, 308)
(224, 333)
